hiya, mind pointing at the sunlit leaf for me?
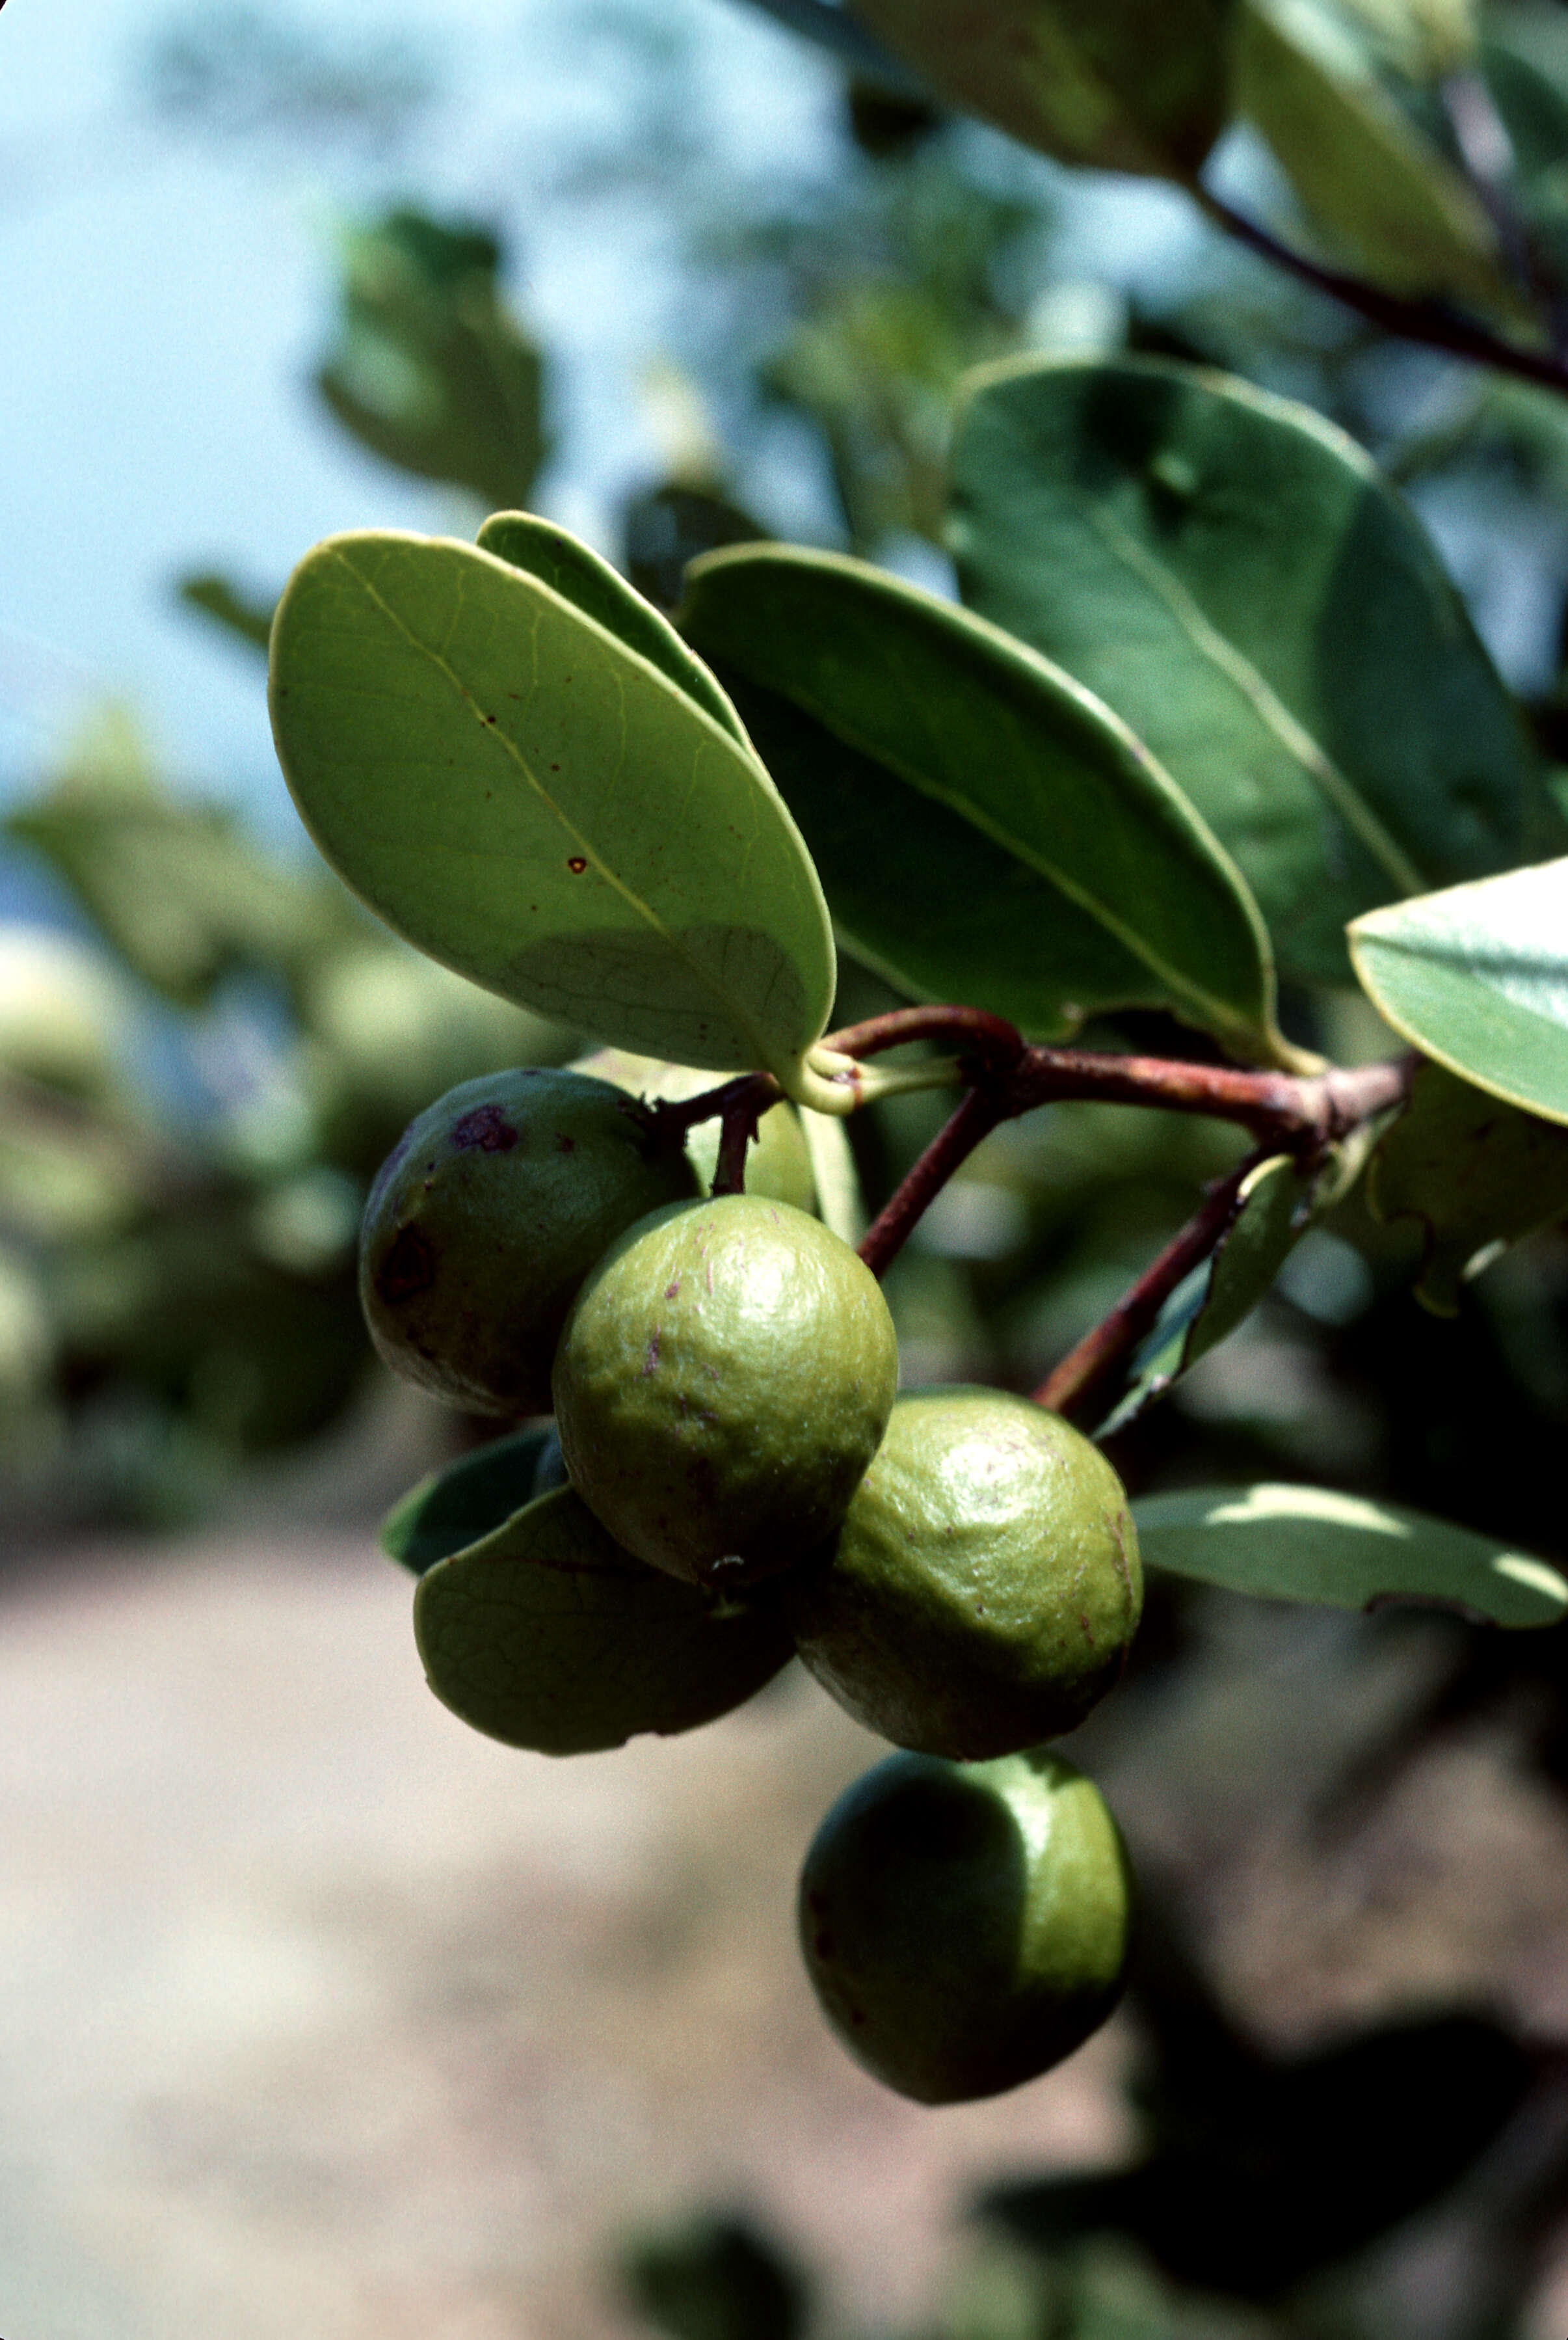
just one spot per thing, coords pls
(1344, 1551)
(1232, 576)
(546, 1634)
(1477, 977)
(1122, 84)
(987, 830)
(540, 808)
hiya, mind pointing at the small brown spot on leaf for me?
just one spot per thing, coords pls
(577, 865)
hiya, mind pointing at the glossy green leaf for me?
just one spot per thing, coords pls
(987, 831)
(458, 1505)
(1273, 1207)
(1120, 85)
(1232, 575)
(548, 1635)
(1343, 1551)
(1473, 1175)
(535, 805)
(1362, 169)
(575, 572)
(1477, 977)
(228, 605)
(430, 370)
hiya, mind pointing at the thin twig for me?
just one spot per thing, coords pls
(673, 1117)
(990, 1039)
(1425, 323)
(1293, 1113)
(959, 1136)
(1084, 1369)
(736, 1130)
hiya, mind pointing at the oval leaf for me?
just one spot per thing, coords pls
(456, 1506)
(1232, 576)
(1120, 85)
(1475, 1175)
(1478, 977)
(599, 591)
(988, 829)
(549, 1635)
(1342, 1552)
(537, 805)
(1360, 167)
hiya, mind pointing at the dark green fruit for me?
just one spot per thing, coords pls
(546, 1635)
(724, 1380)
(965, 1925)
(778, 1163)
(485, 1217)
(984, 1586)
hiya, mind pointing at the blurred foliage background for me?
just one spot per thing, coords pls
(206, 1053)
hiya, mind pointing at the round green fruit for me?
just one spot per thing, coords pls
(965, 1925)
(485, 1217)
(725, 1378)
(778, 1163)
(984, 1586)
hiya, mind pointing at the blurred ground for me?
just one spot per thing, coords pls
(322, 2014)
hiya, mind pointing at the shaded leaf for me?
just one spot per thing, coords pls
(1362, 169)
(458, 1505)
(1477, 977)
(987, 830)
(1273, 1206)
(580, 576)
(430, 370)
(667, 526)
(1473, 1173)
(1232, 575)
(546, 1634)
(716, 2277)
(1342, 1552)
(540, 809)
(230, 606)
(1121, 85)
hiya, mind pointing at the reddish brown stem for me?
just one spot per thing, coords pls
(959, 1136)
(990, 1039)
(673, 1117)
(1297, 1116)
(736, 1131)
(1085, 1369)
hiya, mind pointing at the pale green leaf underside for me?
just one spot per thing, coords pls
(1234, 576)
(1477, 977)
(1341, 1551)
(538, 807)
(548, 1635)
(1027, 764)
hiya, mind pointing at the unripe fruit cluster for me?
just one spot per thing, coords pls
(738, 1481)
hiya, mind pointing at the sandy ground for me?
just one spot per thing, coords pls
(320, 2014)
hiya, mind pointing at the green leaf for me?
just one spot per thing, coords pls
(1120, 85)
(580, 576)
(1273, 1206)
(1362, 169)
(230, 606)
(456, 1506)
(1234, 576)
(540, 809)
(1477, 977)
(430, 370)
(1473, 1173)
(548, 1635)
(987, 830)
(1343, 1551)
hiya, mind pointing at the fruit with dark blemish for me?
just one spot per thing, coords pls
(485, 1217)
(724, 1380)
(984, 1586)
(965, 1925)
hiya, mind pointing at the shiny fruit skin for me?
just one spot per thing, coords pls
(724, 1380)
(965, 1925)
(778, 1163)
(485, 1217)
(984, 1586)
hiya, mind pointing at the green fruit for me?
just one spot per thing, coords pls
(983, 1589)
(778, 1165)
(965, 1925)
(546, 1635)
(485, 1217)
(724, 1380)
